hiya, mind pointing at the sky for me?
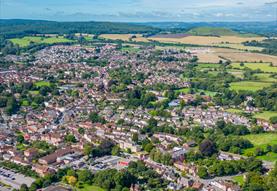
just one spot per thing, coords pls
(140, 10)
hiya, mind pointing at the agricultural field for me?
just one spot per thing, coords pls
(207, 66)
(266, 115)
(25, 41)
(208, 40)
(214, 55)
(265, 67)
(266, 77)
(261, 141)
(249, 85)
(124, 37)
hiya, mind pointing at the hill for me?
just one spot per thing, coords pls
(212, 31)
(15, 27)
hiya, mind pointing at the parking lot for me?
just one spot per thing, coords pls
(14, 179)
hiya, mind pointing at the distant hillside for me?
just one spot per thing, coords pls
(14, 27)
(212, 31)
(260, 28)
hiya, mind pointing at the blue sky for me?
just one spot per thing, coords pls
(140, 10)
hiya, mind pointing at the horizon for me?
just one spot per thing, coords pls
(141, 10)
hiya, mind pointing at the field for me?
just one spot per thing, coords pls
(213, 55)
(204, 65)
(90, 188)
(42, 83)
(124, 37)
(25, 41)
(248, 85)
(265, 77)
(208, 40)
(266, 115)
(265, 67)
(261, 141)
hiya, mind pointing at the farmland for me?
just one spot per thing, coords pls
(248, 85)
(265, 67)
(265, 115)
(26, 41)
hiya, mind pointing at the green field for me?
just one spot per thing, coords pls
(90, 188)
(261, 141)
(42, 83)
(238, 179)
(233, 110)
(265, 67)
(183, 90)
(249, 85)
(265, 115)
(25, 41)
(263, 77)
(204, 65)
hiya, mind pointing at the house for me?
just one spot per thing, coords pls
(225, 185)
(197, 185)
(51, 158)
(31, 153)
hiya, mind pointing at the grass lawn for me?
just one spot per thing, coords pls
(183, 90)
(238, 179)
(90, 188)
(233, 110)
(262, 140)
(266, 115)
(25, 103)
(249, 85)
(263, 66)
(130, 49)
(42, 83)
(25, 41)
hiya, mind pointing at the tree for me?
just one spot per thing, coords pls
(23, 187)
(148, 147)
(87, 149)
(115, 150)
(81, 130)
(273, 119)
(20, 139)
(70, 138)
(71, 180)
(84, 176)
(203, 172)
(207, 147)
(135, 137)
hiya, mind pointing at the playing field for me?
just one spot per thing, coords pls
(248, 85)
(265, 67)
(25, 41)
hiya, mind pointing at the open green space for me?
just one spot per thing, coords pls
(266, 115)
(238, 179)
(204, 65)
(265, 67)
(130, 49)
(249, 85)
(183, 90)
(25, 41)
(234, 110)
(42, 83)
(263, 77)
(261, 141)
(90, 188)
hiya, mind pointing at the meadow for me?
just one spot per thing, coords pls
(266, 115)
(249, 85)
(25, 41)
(261, 141)
(265, 67)
(42, 83)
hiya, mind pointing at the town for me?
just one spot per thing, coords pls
(86, 112)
